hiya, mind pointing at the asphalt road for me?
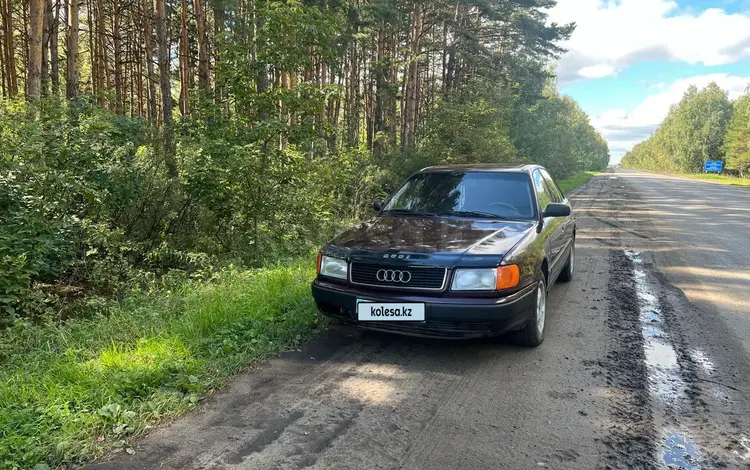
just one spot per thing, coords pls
(646, 364)
(704, 241)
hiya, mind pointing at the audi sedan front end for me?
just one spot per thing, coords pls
(457, 252)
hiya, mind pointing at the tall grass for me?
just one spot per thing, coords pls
(723, 179)
(70, 392)
(576, 180)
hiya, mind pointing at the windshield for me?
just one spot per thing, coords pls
(459, 194)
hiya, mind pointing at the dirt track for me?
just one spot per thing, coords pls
(633, 373)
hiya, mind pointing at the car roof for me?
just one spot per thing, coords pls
(509, 168)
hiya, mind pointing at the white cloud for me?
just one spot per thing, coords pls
(657, 86)
(597, 71)
(623, 129)
(611, 35)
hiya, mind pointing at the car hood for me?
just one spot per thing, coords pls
(434, 235)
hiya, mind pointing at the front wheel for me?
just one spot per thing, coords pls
(532, 334)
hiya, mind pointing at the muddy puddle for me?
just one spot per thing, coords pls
(666, 385)
(678, 451)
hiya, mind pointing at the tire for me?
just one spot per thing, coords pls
(532, 334)
(567, 273)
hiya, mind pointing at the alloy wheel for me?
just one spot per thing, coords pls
(541, 307)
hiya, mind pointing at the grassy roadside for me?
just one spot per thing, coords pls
(72, 392)
(576, 180)
(712, 177)
(722, 179)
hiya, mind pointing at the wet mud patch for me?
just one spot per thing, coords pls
(630, 438)
(685, 359)
(671, 372)
(691, 433)
(678, 451)
(719, 434)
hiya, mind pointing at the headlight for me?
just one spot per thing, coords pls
(475, 279)
(504, 277)
(333, 267)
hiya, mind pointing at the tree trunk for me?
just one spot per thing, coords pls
(129, 77)
(450, 67)
(204, 70)
(2, 68)
(382, 69)
(117, 42)
(391, 106)
(9, 50)
(444, 64)
(3, 80)
(101, 60)
(166, 87)
(53, 51)
(36, 27)
(263, 81)
(138, 59)
(337, 107)
(46, 33)
(369, 103)
(149, 53)
(93, 50)
(25, 34)
(219, 16)
(71, 69)
(320, 120)
(412, 86)
(352, 116)
(184, 66)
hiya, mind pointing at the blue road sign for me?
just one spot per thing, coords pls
(714, 166)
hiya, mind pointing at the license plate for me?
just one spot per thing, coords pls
(382, 311)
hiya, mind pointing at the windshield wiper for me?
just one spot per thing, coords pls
(488, 215)
(409, 212)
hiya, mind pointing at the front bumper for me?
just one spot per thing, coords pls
(449, 317)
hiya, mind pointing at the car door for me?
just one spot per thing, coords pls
(568, 226)
(552, 227)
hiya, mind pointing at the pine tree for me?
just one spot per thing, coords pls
(36, 29)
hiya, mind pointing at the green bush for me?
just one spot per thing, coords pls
(89, 210)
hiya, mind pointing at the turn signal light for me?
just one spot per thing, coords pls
(317, 265)
(508, 276)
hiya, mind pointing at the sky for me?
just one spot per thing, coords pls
(628, 61)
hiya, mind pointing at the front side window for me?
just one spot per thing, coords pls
(557, 195)
(542, 192)
(465, 194)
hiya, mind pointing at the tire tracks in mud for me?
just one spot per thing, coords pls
(630, 435)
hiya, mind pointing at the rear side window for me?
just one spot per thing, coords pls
(557, 195)
(543, 193)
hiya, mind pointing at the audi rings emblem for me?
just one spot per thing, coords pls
(389, 275)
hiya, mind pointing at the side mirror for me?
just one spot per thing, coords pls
(378, 205)
(556, 210)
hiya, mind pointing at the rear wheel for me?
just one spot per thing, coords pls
(532, 333)
(567, 273)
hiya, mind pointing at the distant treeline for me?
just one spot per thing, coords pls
(704, 126)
